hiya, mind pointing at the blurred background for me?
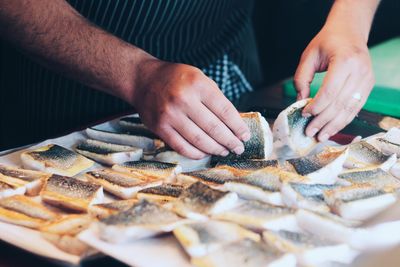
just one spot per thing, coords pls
(283, 29)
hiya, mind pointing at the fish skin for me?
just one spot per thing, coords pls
(199, 200)
(71, 224)
(55, 159)
(164, 191)
(249, 164)
(135, 126)
(375, 177)
(26, 175)
(101, 211)
(202, 238)
(214, 176)
(71, 193)
(245, 253)
(362, 154)
(289, 132)
(27, 206)
(260, 144)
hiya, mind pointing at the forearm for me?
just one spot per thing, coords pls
(52, 32)
(353, 15)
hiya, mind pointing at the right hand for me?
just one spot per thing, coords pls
(187, 110)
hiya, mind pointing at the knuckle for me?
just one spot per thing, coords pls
(226, 111)
(313, 110)
(214, 129)
(197, 140)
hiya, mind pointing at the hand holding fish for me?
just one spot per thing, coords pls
(188, 111)
(340, 48)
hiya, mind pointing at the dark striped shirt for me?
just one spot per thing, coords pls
(214, 35)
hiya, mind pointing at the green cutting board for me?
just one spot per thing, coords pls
(385, 97)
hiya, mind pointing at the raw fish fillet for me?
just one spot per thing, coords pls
(104, 210)
(161, 193)
(187, 164)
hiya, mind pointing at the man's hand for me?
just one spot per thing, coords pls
(188, 111)
(341, 49)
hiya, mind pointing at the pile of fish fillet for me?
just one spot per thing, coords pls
(286, 201)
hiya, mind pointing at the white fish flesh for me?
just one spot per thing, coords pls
(258, 215)
(289, 132)
(201, 238)
(71, 224)
(10, 188)
(108, 154)
(245, 253)
(142, 220)
(309, 249)
(123, 185)
(199, 201)
(55, 159)
(187, 164)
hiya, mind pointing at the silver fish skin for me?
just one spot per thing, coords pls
(104, 210)
(245, 253)
(375, 177)
(164, 191)
(26, 175)
(289, 132)
(260, 144)
(249, 164)
(135, 126)
(213, 176)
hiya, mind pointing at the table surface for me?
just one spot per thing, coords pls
(11, 256)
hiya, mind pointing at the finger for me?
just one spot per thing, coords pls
(197, 137)
(179, 144)
(332, 84)
(335, 107)
(218, 104)
(215, 128)
(305, 74)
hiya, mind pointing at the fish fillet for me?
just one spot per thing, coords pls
(10, 188)
(24, 211)
(289, 132)
(258, 215)
(161, 193)
(33, 180)
(187, 164)
(104, 210)
(55, 159)
(142, 220)
(389, 143)
(123, 138)
(155, 169)
(108, 154)
(123, 185)
(69, 244)
(199, 201)
(306, 196)
(260, 144)
(358, 202)
(134, 125)
(213, 176)
(363, 155)
(245, 253)
(310, 250)
(201, 238)
(249, 164)
(71, 224)
(71, 193)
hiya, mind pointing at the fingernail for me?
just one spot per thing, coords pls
(306, 115)
(246, 137)
(238, 150)
(312, 132)
(224, 153)
(324, 137)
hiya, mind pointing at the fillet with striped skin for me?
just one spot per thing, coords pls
(201, 238)
(187, 164)
(249, 164)
(258, 215)
(199, 201)
(71, 193)
(108, 154)
(24, 211)
(71, 224)
(134, 125)
(358, 202)
(260, 144)
(123, 185)
(161, 193)
(55, 159)
(154, 169)
(289, 132)
(10, 188)
(389, 143)
(322, 168)
(33, 180)
(310, 250)
(375, 177)
(363, 155)
(124, 138)
(245, 253)
(104, 210)
(144, 219)
(306, 196)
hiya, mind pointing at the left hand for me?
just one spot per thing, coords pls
(346, 86)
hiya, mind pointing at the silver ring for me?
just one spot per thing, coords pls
(356, 96)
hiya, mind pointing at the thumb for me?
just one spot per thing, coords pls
(305, 74)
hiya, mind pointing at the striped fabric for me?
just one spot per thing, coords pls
(214, 35)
